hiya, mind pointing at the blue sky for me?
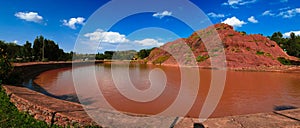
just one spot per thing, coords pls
(62, 21)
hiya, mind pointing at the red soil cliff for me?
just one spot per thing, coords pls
(241, 50)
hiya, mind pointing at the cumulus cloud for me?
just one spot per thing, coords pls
(289, 13)
(149, 42)
(252, 19)
(214, 15)
(29, 16)
(235, 3)
(115, 40)
(73, 21)
(107, 37)
(162, 14)
(235, 22)
(268, 13)
(287, 34)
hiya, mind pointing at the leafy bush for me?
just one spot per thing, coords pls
(202, 58)
(248, 49)
(268, 54)
(230, 34)
(284, 61)
(260, 53)
(243, 33)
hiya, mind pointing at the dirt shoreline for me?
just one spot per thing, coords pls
(283, 68)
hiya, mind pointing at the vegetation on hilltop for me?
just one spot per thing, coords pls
(290, 44)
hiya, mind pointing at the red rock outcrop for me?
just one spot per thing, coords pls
(241, 50)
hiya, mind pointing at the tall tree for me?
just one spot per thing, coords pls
(293, 45)
(38, 47)
(27, 50)
(278, 38)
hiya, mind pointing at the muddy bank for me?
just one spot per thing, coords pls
(32, 69)
(283, 68)
(64, 113)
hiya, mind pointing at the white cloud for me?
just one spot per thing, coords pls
(162, 14)
(268, 13)
(285, 8)
(287, 34)
(289, 13)
(149, 42)
(29, 16)
(106, 37)
(15, 42)
(214, 15)
(73, 21)
(234, 3)
(252, 19)
(235, 22)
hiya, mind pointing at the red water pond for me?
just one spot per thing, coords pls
(244, 92)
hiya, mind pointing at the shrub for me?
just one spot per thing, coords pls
(243, 33)
(248, 49)
(230, 34)
(284, 61)
(161, 59)
(202, 58)
(260, 53)
(268, 54)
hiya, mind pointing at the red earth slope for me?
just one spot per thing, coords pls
(241, 50)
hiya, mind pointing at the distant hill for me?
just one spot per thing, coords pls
(241, 50)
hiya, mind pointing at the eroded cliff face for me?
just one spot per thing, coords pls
(241, 50)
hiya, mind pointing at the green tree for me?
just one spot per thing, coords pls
(5, 66)
(108, 54)
(13, 51)
(293, 45)
(100, 56)
(144, 53)
(38, 47)
(278, 38)
(27, 50)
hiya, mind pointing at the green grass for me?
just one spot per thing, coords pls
(11, 117)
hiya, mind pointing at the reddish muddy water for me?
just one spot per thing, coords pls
(244, 92)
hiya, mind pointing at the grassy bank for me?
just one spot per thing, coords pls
(11, 117)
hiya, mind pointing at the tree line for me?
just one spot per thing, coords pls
(291, 45)
(124, 55)
(42, 49)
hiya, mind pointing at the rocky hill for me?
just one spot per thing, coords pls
(241, 50)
